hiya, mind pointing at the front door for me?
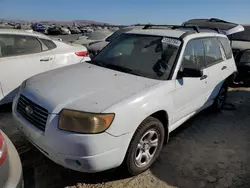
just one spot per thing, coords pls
(21, 58)
(191, 84)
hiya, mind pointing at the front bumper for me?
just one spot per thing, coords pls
(11, 168)
(80, 152)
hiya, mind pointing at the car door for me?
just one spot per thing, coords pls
(22, 57)
(191, 84)
(216, 64)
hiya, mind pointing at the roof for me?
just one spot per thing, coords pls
(158, 32)
(23, 32)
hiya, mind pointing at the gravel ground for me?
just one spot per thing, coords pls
(210, 150)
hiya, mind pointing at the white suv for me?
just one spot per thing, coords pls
(120, 107)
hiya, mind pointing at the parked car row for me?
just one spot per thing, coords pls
(119, 107)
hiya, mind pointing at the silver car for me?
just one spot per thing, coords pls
(10, 164)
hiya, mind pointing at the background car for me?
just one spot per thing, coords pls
(54, 30)
(10, 164)
(97, 46)
(24, 54)
(95, 36)
(84, 30)
(65, 31)
(6, 26)
(74, 30)
(38, 27)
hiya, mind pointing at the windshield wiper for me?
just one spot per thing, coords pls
(120, 68)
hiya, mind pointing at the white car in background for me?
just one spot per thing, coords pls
(24, 54)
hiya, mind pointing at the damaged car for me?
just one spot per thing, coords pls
(120, 107)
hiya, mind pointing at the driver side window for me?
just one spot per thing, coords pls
(193, 59)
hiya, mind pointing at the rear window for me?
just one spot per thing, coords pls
(50, 44)
(226, 46)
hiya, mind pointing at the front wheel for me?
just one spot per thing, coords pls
(145, 146)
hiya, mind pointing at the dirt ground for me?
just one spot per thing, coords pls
(210, 151)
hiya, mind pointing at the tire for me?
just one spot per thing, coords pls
(144, 147)
(221, 98)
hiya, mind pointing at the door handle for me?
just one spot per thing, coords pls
(203, 77)
(46, 59)
(224, 67)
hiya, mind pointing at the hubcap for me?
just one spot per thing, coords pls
(146, 148)
(221, 97)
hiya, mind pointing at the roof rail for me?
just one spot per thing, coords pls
(149, 26)
(194, 27)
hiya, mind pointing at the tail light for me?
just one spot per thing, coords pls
(3, 149)
(82, 54)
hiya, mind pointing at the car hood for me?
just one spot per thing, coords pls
(98, 46)
(83, 87)
(84, 41)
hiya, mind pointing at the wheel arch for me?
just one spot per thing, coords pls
(162, 116)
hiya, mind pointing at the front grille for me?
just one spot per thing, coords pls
(32, 112)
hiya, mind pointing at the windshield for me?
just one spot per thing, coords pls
(97, 35)
(143, 55)
(242, 36)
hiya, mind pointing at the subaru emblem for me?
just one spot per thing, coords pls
(29, 110)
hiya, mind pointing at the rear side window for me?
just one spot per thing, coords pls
(226, 46)
(49, 44)
(14, 45)
(194, 55)
(213, 53)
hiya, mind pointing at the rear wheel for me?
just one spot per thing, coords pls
(221, 98)
(145, 146)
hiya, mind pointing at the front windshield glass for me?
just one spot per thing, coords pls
(143, 55)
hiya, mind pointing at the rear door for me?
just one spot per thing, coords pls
(216, 65)
(21, 57)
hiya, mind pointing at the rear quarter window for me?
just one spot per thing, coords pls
(49, 44)
(226, 46)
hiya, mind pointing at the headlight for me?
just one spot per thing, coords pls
(83, 122)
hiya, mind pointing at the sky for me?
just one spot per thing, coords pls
(126, 11)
